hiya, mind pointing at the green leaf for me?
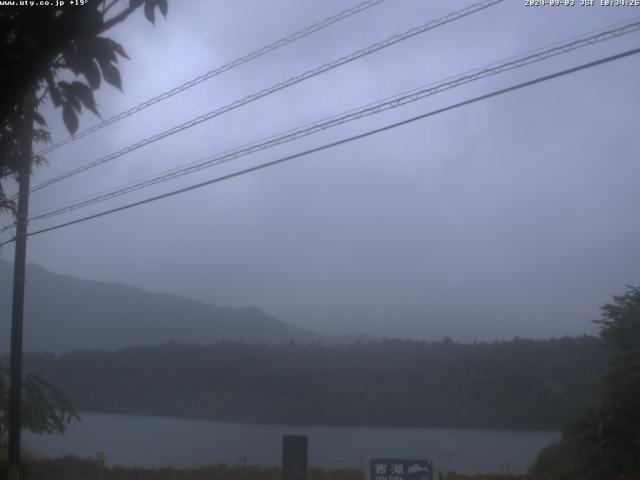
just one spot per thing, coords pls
(149, 6)
(163, 6)
(71, 59)
(69, 95)
(88, 55)
(70, 118)
(53, 91)
(84, 93)
(91, 72)
(116, 47)
(39, 119)
(112, 76)
(102, 49)
(92, 17)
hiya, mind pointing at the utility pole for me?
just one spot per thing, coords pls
(17, 308)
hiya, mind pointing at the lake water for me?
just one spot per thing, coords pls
(129, 440)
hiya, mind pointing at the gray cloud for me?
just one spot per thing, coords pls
(515, 216)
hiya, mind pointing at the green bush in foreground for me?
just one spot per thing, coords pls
(73, 468)
(604, 441)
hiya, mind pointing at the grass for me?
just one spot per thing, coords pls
(74, 468)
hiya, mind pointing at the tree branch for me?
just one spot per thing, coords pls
(118, 18)
(108, 7)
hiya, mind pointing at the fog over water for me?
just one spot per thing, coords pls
(516, 216)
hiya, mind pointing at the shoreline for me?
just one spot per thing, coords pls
(327, 425)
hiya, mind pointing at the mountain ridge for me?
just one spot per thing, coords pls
(65, 313)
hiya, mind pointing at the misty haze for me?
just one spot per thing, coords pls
(374, 240)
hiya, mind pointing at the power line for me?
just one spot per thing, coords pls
(340, 142)
(217, 71)
(277, 87)
(595, 36)
(371, 109)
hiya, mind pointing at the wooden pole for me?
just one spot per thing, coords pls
(17, 308)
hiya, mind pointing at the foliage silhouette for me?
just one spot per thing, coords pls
(40, 45)
(604, 441)
(535, 384)
(45, 409)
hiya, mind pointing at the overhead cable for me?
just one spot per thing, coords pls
(371, 109)
(217, 71)
(275, 88)
(339, 142)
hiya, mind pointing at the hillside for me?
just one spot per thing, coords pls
(516, 384)
(63, 313)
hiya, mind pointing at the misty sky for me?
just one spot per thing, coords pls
(514, 216)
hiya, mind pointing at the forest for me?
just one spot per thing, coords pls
(527, 384)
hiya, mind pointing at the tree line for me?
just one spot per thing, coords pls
(530, 384)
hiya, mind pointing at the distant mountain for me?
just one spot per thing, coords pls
(63, 313)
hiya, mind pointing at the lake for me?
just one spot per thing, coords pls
(129, 440)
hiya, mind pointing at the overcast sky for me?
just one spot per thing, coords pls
(514, 216)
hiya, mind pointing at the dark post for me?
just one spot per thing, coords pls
(17, 309)
(294, 457)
